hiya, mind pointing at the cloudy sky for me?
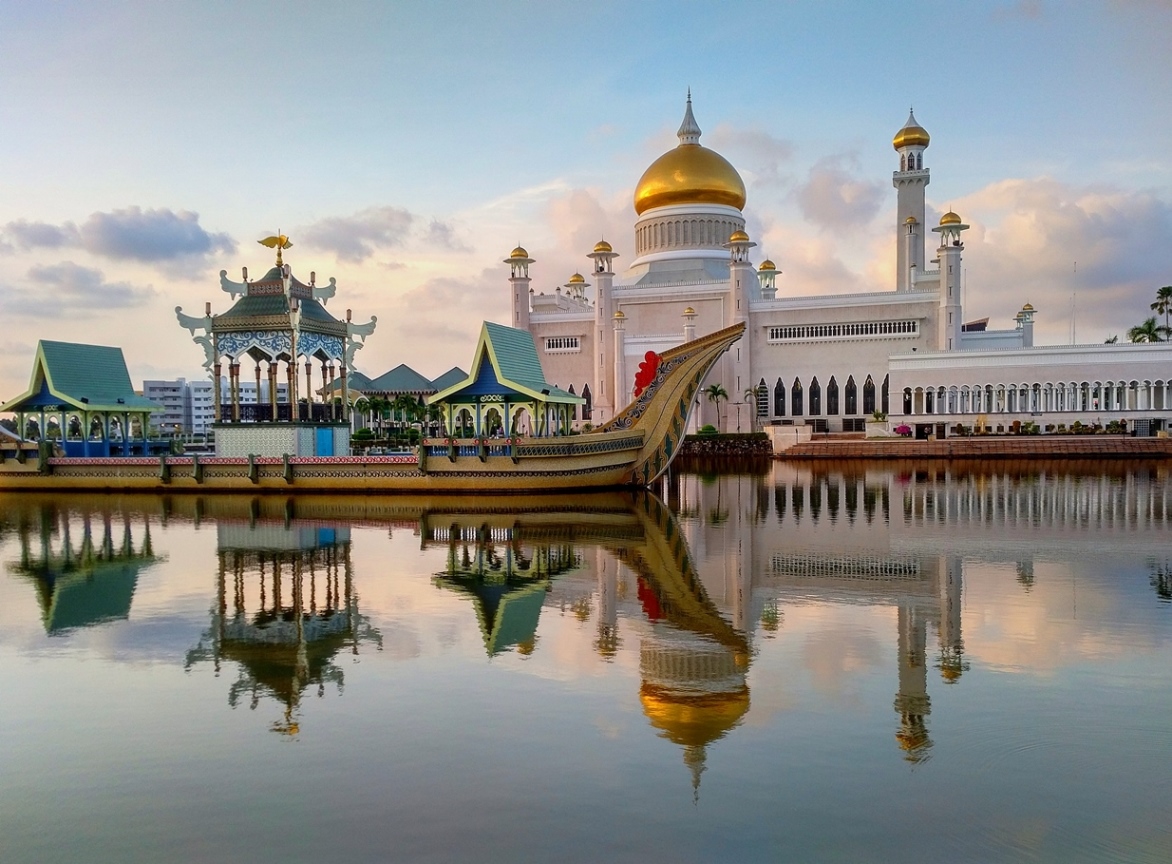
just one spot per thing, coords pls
(406, 147)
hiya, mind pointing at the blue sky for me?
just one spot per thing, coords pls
(406, 147)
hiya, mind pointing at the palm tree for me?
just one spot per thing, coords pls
(1163, 306)
(1149, 331)
(362, 406)
(715, 393)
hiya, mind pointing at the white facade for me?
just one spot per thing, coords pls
(827, 361)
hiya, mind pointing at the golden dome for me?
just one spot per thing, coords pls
(577, 279)
(1029, 307)
(767, 265)
(689, 311)
(911, 135)
(602, 246)
(519, 252)
(911, 220)
(689, 174)
(693, 719)
(949, 218)
(738, 237)
(619, 315)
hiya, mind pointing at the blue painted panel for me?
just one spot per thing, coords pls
(324, 446)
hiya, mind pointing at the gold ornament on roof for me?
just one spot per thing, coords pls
(519, 252)
(950, 218)
(602, 246)
(738, 237)
(278, 241)
(577, 278)
(767, 265)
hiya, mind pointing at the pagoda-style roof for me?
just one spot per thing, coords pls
(506, 364)
(402, 379)
(453, 376)
(266, 302)
(71, 376)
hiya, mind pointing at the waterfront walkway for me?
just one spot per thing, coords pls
(1025, 447)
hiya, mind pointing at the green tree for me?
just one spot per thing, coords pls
(1163, 306)
(1111, 340)
(1149, 331)
(716, 393)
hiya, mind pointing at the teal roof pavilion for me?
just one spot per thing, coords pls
(69, 375)
(506, 364)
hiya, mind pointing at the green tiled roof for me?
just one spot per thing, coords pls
(250, 306)
(402, 379)
(87, 377)
(453, 376)
(515, 366)
(312, 310)
(516, 355)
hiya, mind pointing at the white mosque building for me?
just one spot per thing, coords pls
(829, 361)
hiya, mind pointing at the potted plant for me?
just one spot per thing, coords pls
(876, 426)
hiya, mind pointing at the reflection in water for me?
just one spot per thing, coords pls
(692, 661)
(80, 582)
(285, 606)
(749, 571)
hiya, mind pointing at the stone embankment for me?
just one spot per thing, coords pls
(755, 445)
(1023, 447)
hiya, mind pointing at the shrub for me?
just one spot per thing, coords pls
(706, 429)
(903, 429)
(362, 434)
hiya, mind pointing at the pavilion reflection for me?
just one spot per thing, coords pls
(82, 574)
(692, 661)
(285, 608)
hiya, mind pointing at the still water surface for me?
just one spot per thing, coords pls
(847, 664)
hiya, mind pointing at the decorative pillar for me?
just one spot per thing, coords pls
(948, 329)
(519, 262)
(689, 324)
(273, 388)
(258, 399)
(217, 395)
(234, 386)
(621, 387)
(604, 393)
(291, 387)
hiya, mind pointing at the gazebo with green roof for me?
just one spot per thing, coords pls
(87, 389)
(505, 384)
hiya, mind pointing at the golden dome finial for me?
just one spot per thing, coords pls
(911, 135)
(689, 174)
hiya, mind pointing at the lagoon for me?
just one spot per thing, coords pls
(832, 662)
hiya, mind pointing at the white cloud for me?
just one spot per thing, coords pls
(69, 290)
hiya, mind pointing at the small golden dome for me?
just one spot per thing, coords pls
(911, 135)
(602, 246)
(738, 237)
(577, 279)
(619, 315)
(519, 252)
(911, 220)
(689, 311)
(949, 218)
(766, 266)
(1027, 307)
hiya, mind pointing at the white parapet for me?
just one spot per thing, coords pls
(784, 437)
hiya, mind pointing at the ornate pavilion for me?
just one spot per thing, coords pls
(279, 325)
(506, 391)
(86, 389)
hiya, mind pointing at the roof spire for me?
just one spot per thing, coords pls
(689, 131)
